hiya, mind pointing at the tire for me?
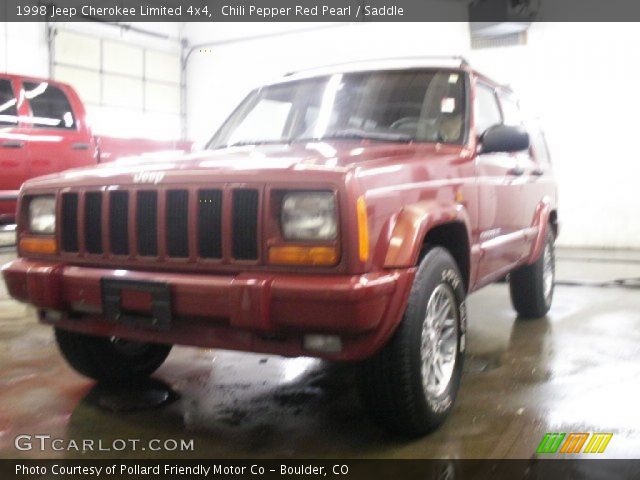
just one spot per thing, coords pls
(109, 359)
(532, 285)
(391, 382)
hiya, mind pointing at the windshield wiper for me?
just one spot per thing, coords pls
(356, 134)
(348, 134)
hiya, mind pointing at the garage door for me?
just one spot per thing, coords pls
(129, 90)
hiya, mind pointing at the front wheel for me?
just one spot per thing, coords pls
(411, 384)
(532, 285)
(110, 359)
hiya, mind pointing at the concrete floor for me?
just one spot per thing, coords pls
(575, 371)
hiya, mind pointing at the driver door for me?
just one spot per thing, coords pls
(500, 180)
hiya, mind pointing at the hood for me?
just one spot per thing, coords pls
(249, 163)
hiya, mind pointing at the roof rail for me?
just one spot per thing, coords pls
(463, 62)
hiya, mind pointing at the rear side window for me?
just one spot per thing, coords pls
(487, 109)
(8, 109)
(49, 106)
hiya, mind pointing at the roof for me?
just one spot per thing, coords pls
(395, 63)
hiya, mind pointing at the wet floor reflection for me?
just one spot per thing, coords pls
(132, 396)
(238, 404)
(257, 413)
(572, 371)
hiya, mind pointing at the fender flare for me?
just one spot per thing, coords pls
(541, 221)
(412, 224)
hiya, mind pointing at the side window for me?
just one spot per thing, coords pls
(487, 109)
(511, 110)
(8, 108)
(539, 144)
(49, 106)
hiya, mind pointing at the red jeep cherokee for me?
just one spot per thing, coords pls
(343, 213)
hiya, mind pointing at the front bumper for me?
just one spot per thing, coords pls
(266, 313)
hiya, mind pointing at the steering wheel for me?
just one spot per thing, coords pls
(421, 127)
(406, 124)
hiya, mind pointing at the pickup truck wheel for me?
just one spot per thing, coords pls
(411, 384)
(532, 285)
(110, 359)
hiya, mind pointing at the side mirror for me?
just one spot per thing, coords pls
(504, 138)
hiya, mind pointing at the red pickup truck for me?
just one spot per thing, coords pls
(43, 130)
(343, 213)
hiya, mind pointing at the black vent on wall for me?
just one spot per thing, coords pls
(515, 11)
(510, 40)
(498, 34)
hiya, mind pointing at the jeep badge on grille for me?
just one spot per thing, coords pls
(148, 177)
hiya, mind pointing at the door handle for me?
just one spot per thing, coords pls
(12, 144)
(80, 146)
(516, 171)
(537, 172)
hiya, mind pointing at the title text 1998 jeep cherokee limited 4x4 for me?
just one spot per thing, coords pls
(343, 213)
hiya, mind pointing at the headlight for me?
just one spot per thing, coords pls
(309, 216)
(42, 215)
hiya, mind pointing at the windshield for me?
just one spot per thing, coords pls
(391, 106)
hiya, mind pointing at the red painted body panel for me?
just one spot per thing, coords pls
(209, 308)
(27, 151)
(409, 189)
(113, 148)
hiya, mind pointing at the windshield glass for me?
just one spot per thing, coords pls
(392, 106)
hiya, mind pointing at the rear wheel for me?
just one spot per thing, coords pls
(110, 359)
(411, 384)
(532, 285)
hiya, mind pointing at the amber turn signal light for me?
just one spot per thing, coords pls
(38, 245)
(363, 229)
(295, 255)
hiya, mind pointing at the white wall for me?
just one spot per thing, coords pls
(218, 77)
(579, 79)
(147, 103)
(23, 49)
(162, 35)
